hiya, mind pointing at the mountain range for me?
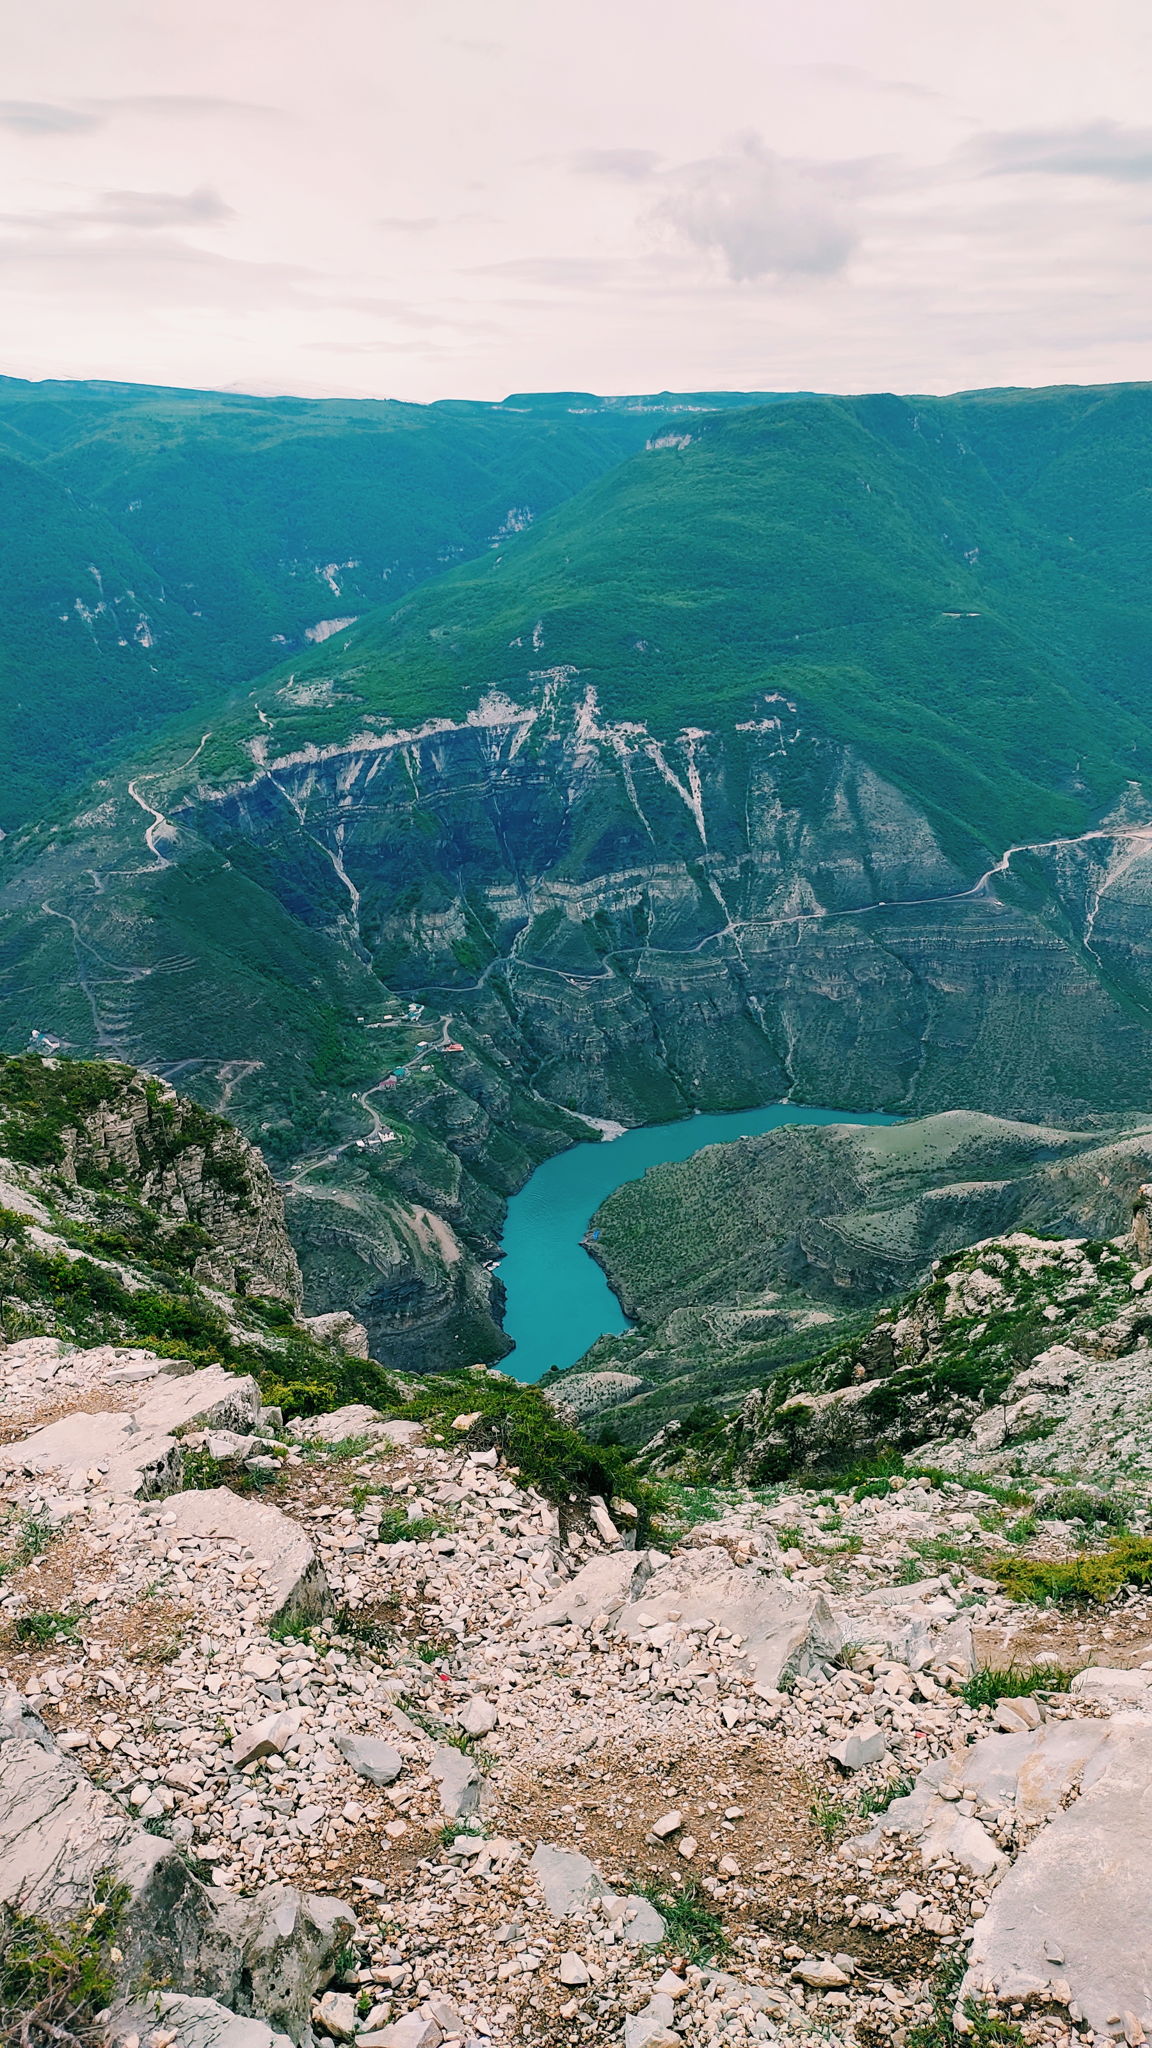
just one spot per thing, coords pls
(798, 749)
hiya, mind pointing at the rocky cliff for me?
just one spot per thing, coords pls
(600, 922)
(1024, 1354)
(130, 1215)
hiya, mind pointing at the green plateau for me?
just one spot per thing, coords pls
(158, 546)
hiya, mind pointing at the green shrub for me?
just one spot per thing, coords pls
(54, 1979)
(43, 1628)
(1096, 1576)
(1078, 1504)
(548, 1452)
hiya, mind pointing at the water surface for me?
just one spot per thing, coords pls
(558, 1299)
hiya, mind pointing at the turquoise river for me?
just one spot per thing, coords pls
(558, 1301)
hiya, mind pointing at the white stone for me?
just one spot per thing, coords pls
(296, 1588)
(138, 1449)
(1098, 1682)
(573, 1969)
(865, 1745)
(336, 2013)
(783, 1628)
(370, 1758)
(602, 1586)
(459, 1782)
(269, 1737)
(478, 1717)
(188, 2023)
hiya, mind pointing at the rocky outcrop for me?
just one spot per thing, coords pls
(1023, 1354)
(62, 1840)
(161, 1170)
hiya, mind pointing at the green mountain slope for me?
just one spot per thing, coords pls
(91, 644)
(958, 587)
(159, 546)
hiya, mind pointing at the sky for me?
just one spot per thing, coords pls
(421, 199)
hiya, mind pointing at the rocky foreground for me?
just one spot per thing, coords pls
(344, 1732)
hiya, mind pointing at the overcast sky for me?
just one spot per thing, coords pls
(431, 198)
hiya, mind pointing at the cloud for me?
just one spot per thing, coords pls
(36, 117)
(1094, 149)
(410, 225)
(762, 214)
(634, 165)
(182, 105)
(162, 209)
(124, 270)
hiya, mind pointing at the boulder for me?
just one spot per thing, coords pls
(477, 1717)
(459, 1781)
(1030, 1773)
(337, 1426)
(652, 2028)
(59, 1833)
(415, 2030)
(603, 1586)
(785, 1629)
(866, 1745)
(1130, 1688)
(370, 1758)
(269, 1737)
(140, 1447)
(264, 1956)
(291, 1941)
(397, 1431)
(1080, 1890)
(296, 1589)
(194, 2022)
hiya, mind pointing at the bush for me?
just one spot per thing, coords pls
(1096, 1576)
(55, 1979)
(548, 1453)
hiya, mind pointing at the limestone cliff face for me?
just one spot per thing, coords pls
(600, 922)
(193, 1168)
(123, 1149)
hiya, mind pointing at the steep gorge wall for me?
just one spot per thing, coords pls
(606, 924)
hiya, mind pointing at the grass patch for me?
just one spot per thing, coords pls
(1014, 1682)
(829, 1815)
(1093, 1576)
(45, 1628)
(30, 1539)
(694, 1930)
(984, 2029)
(879, 1799)
(1079, 1504)
(55, 1979)
(396, 1528)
